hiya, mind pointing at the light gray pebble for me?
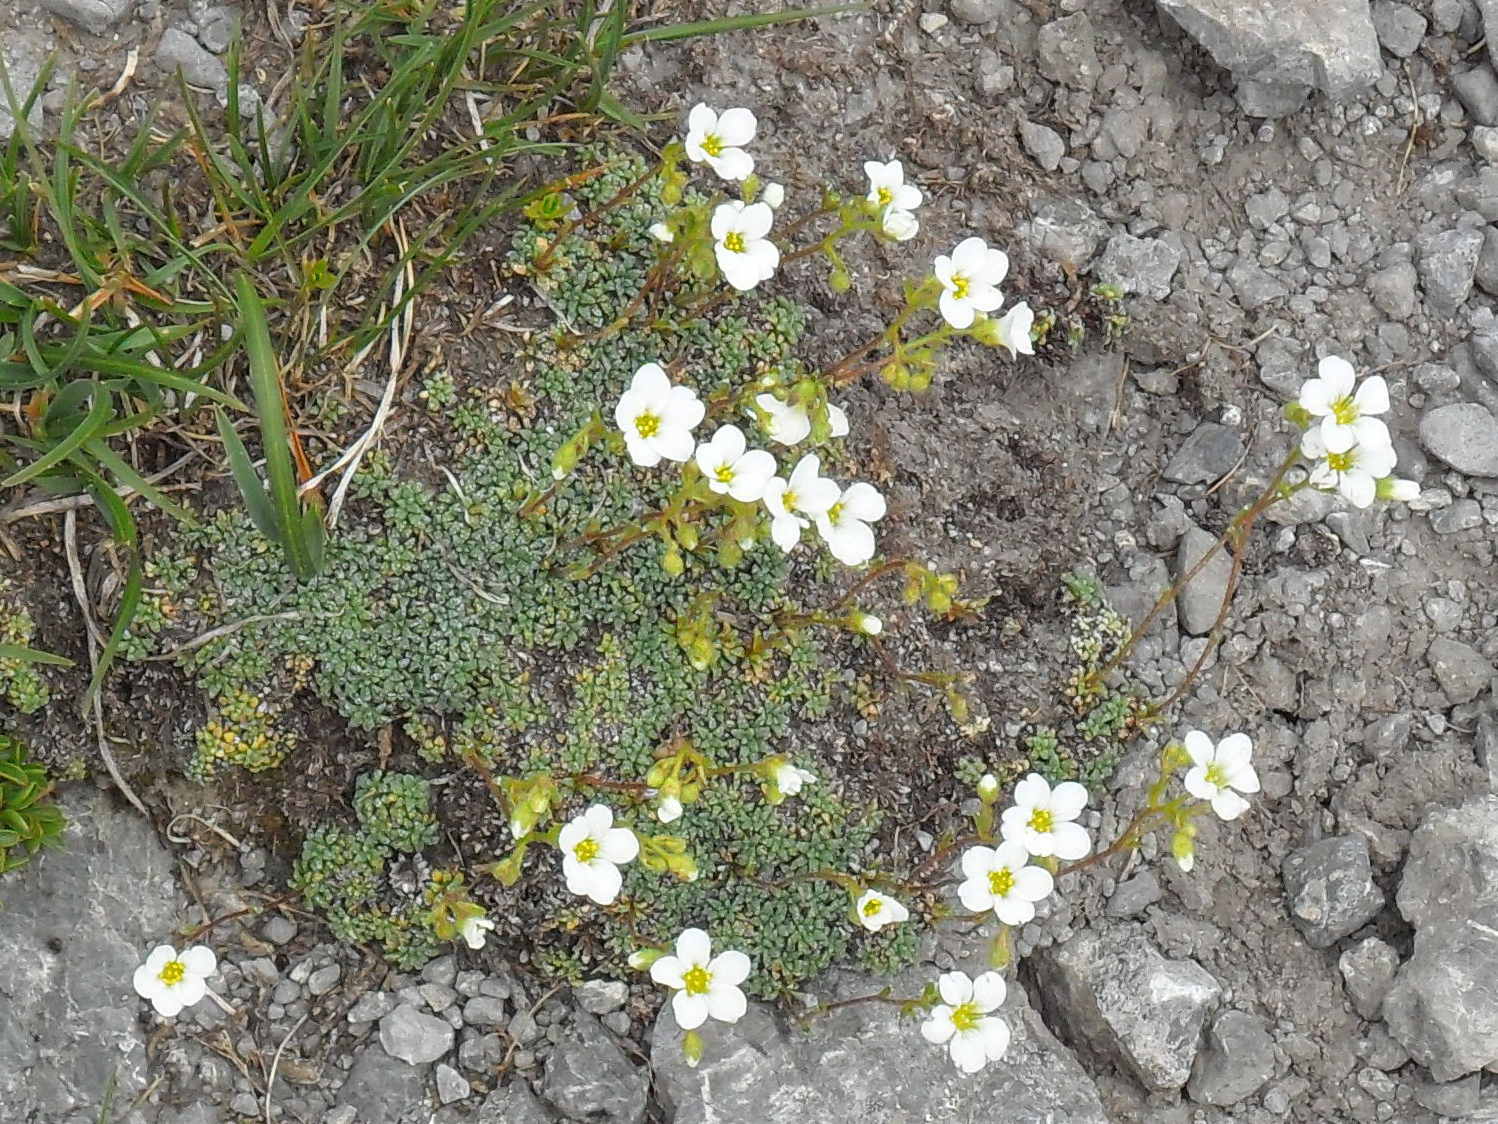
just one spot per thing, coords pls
(370, 1006)
(599, 997)
(1399, 27)
(279, 930)
(443, 970)
(1044, 144)
(468, 982)
(484, 1011)
(325, 979)
(178, 50)
(1462, 515)
(1478, 91)
(980, 11)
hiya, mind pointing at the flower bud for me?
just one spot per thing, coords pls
(866, 623)
(1392, 488)
(774, 194)
(661, 232)
(1184, 850)
(642, 958)
(902, 226)
(988, 788)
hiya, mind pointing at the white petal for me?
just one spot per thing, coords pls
(597, 819)
(968, 1052)
(1373, 396)
(603, 881)
(191, 990)
(673, 442)
(619, 845)
(159, 957)
(1316, 397)
(1337, 438)
(1229, 805)
(1370, 432)
(668, 971)
(737, 126)
(1068, 799)
(958, 313)
(1197, 784)
(756, 220)
(765, 257)
(938, 1028)
(896, 911)
(995, 1034)
(701, 120)
(1199, 748)
(1359, 488)
(1033, 883)
(732, 164)
(199, 961)
(1338, 374)
(995, 267)
(1311, 444)
(726, 1004)
(1015, 328)
(690, 1010)
(1009, 855)
(837, 421)
(955, 988)
(975, 895)
(1245, 779)
(739, 270)
(146, 982)
(752, 472)
(168, 1004)
(1014, 911)
(730, 968)
(725, 219)
(970, 258)
(976, 862)
(985, 298)
(785, 532)
(1377, 460)
(1032, 792)
(907, 197)
(650, 383)
(943, 270)
(863, 501)
(729, 443)
(1234, 752)
(851, 541)
(683, 408)
(1070, 841)
(989, 991)
(694, 946)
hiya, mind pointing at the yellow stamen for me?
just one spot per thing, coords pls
(960, 286)
(724, 474)
(734, 241)
(966, 1017)
(586, 851)
(834, 514)
(712, 144)
(872, 907)
(789, 500)
(1345, 410)
(696, 980)
(172, 973)
(1042, 820)
(647, 424)
(1000, 882)
(1340, 462)
(1217, 776)
(886, 197)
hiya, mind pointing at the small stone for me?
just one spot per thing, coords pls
(384, 1090)
(370, 1006)
(932, 22)
(279, 930)
(1266, 208)
(1065, 231)
(1462, 515)
(981, 11)
(1066, 51)
(1134, 895)
(1270, 100)
(1330, 890)
(588, 1077)
(599, 997)
(443, 970)
(484, 1010)
(347, 1114)
(1477, 90)
(1393, 290)
(451, 1085)
(1253, 285)
(514, 1104)
(262, 970)
(1199, 602)
(245, 1104)
(1238, 1059)
(1139, 265)
(325, 979)
(437, 996)
(1206, 455)
(1461, 669)
(96, 16)
(1463, 435)
(1485, 142)
(1450, 1098)
(1367, 971)
(1447, 15)
(1044, 144)
(218, 28)
(1447, 264)
(180, 51)
(1400, 28)
(413, 1037)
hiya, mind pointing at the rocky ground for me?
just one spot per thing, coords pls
(1271, 181)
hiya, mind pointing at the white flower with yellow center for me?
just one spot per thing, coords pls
(172, 982)
(717, 140)
(845, 526)
(1346, 414)
(475, 929)
(1354, 473)
(1004, 880)
(706, 986)
(970, 281)
(876, 910)
(593, 849)
(657, 418)
(741, 243)
(730, 470)
(963, 1021)
(789, 424)
(789, 779)
(794, 503)
(1217, 770)
(1014, 330)
(1042, 819)
(887, 186)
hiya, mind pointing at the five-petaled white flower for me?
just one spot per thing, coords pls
(1345, 413)
(789, 779)
(1003, 879)
(730, 470)
(717, 140)
(1014, 330)
(789, 424)
(875, 911)
(963, 1023)
(895, 199)
(172, 982)
(706, 986)
(794, 503)
(474, 929)
(745, 253)
(657, 418)
(1217, 770)
(592, 851)
(1355, 472)
(845, 528)
(970, 281)
(1041, 820)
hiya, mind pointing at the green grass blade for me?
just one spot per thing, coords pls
(32, 655)
(99, 412)
(129, 606)
(122, 471)
(256, 502)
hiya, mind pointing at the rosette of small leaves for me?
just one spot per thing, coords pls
(396, 810)
(339, 870)
(28, 818)
(20, 680)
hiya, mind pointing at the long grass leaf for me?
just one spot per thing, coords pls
(32, 655)
(122, 471)
(99, 413)
(256, 502)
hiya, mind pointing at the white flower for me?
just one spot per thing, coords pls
(962, 1022)
(661, 232)
(789, 779)
(844, 526)
(474, 929)
(1217, 770)
(1344, 415)
(875, 911)
(794, 503)
(717, 140)
(1002, 879)
(731, 471)
(172, 982)
(887, 186)
(970, 280)
(657, 418)
(1355, 473)
(668, 810)
(706, 986)
(1014, 330)
(1041, 820)
(902, 226)
(773, 194)
(745, 255)
(788, 424)
(869, 624)
(592, 851)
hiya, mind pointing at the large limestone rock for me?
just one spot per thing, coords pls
(1328, 44)
(76, 922)
(864, 1062)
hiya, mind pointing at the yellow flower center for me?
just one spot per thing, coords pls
(1042, 820)
(712, 144)
(647, 424)
(734, 241)
(1216, 775)
(886, 197)
(1000, 882)
(172, 973)
(835, 514)
(1345, 410)
(1340, 462)
(724, 474)
(789, 500)
(960, 286)
(586, 851)
(966, 1017)
(696, 980)
(872, 907)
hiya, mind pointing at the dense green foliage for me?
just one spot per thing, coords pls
(28, 818)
